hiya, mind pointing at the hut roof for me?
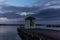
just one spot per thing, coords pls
(30, 18)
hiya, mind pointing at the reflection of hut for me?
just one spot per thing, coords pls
(30, 22)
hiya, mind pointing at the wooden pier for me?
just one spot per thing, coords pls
(38, 34)
(30, 32)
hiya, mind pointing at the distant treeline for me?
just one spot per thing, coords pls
(47, 25)
(11, 24)
(18, 24)
(53, 25)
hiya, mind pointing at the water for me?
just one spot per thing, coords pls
(9, 33)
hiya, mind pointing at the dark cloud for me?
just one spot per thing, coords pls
(20, 9)
(41, 15)
(48, 14)
(14, 12)
(10, 15)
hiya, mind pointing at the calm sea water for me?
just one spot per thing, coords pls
(9, 33)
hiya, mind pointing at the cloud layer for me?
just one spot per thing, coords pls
(43, 10)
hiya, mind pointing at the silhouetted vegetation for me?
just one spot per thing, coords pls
(53, 25)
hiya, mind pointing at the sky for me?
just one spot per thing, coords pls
(15, 11)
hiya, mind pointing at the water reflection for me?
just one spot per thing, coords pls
(9, 33)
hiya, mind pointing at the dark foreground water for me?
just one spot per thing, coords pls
(9, 33)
